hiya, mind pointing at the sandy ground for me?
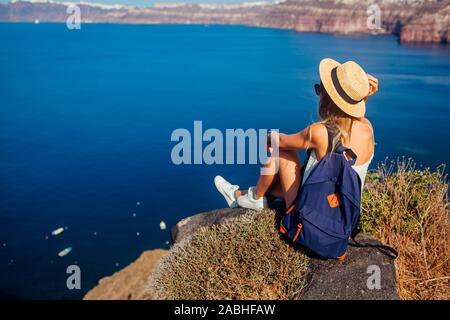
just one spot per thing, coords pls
(129, 283)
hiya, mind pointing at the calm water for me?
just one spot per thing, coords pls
(86, 118)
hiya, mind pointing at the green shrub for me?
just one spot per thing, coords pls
(241, 259)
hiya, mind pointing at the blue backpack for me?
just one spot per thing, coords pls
(327, 208)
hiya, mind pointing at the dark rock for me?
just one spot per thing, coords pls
(334, 280)
(191, 224)
(327, 279)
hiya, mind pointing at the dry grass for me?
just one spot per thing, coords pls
(242, 259)
(408, 209)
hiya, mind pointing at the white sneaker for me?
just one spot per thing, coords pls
(250, 202)
(227, 190)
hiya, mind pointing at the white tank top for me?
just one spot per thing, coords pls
(361, 170)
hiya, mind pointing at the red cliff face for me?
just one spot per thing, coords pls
(428, 28)
(426, 21)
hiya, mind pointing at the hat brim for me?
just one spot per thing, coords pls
(326, 67)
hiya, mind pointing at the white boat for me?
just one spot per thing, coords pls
(57, 231)
(65, 252)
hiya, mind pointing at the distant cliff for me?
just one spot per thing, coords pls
(424, 21)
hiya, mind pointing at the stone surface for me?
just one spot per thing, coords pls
(333, 280)
(191, 224)
(129, 283)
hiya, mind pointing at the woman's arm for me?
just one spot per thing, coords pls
(301, 140)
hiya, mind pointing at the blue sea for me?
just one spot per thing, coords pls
(86, 118)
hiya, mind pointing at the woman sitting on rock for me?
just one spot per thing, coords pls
(343, 91)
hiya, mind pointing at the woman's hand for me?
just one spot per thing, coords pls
(273, 136)
(373, 85)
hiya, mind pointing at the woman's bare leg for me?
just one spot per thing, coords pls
(290, 176)
(275, 189)
(284, 183)
(265, 181)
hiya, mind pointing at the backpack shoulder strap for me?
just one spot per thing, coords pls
(349, 154)
(308, 155)
(387, 250)
(331, 131)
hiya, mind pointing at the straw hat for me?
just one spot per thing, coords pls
(347, 85)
